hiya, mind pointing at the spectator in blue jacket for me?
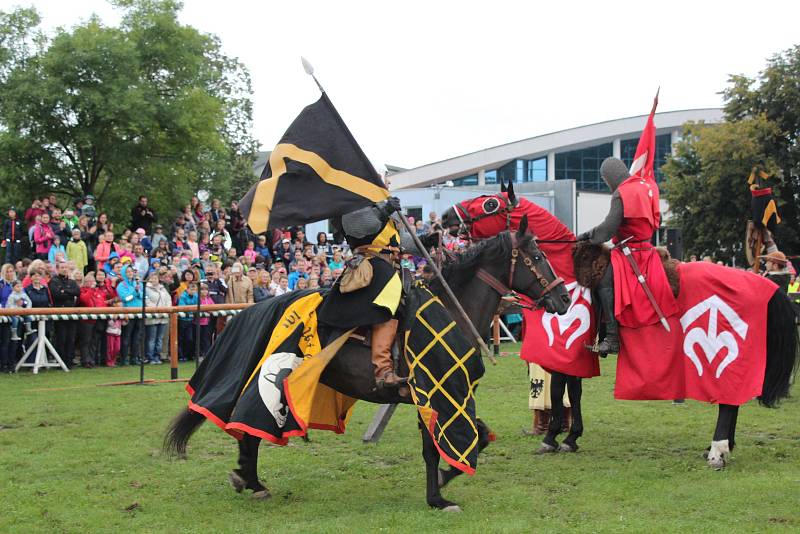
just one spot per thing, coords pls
(262, 247)
(129, 291)
(186, 324)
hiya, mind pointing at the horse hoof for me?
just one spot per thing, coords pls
(237, 481)
(452, 508)
(262, 495)
(718, 454)
(566, 447)
(544, 448)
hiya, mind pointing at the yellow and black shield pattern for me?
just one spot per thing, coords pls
(444, 370)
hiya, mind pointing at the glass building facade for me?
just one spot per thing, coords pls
(663, 149)
(472, 179)
(519, 171)
(583, 166)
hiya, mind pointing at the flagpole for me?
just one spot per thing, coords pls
(652, 110)
(449, 292)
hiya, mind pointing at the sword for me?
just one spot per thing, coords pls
(640, 278)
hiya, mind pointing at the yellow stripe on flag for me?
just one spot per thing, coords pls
(258, 218)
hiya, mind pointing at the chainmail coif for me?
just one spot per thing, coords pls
(614, 172)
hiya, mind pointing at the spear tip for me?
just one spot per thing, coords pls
(307, 66)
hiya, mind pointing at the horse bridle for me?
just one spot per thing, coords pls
(505, 290)
(465, 219)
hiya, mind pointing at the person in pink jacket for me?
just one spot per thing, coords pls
(105, 248)
(43, 236)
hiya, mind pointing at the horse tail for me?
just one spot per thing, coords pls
(782, 341)
(180, 430)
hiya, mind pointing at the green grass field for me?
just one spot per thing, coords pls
(75, 457)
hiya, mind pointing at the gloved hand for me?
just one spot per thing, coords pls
(583, 237)
(393, 204)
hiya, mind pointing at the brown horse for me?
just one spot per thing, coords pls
(781, 337)
(351, 371)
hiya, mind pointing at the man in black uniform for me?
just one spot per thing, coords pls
(368, 292)
(12, 236)
(65, 292)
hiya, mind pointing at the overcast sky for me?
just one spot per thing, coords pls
(418, 82)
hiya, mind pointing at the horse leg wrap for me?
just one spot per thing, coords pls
(719, 454)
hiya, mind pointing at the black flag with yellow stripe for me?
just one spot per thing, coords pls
(317, 171)
(762, 203)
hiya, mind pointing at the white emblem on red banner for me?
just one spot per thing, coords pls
(578, 311)
(711, 341)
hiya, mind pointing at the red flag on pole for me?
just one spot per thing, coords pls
(646, 149)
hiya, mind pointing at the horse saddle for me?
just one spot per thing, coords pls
(591, 262)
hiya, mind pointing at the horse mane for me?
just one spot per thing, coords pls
(590, 262)
(461, 268)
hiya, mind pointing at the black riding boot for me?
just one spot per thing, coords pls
(605, 291)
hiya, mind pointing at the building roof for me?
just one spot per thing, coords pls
(541, 145)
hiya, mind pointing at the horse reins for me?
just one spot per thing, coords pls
(465, 219)
(505, 290)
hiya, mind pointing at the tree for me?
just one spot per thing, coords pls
(706, 184)
(775, 94)
(706, 179)
(150, 107)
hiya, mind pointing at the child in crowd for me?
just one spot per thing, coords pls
(206, 324)
(18, 299)
(114, 336)
(56, 248)
(186, 323)
(247, 263)
(283, 286)
(263, 248)
(158, 237)
(77, 251)
(250, 251)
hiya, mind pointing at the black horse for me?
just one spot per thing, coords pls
(504, 210)
(351, 371)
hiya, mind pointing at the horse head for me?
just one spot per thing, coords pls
(488, 215)
(531, 274)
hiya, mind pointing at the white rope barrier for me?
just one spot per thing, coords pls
(128, 315)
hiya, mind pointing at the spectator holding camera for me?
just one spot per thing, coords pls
(142, 215)
(240, 288)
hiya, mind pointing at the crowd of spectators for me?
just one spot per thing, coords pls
(78, 257)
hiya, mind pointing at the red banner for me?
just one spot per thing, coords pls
(558, 342)
(716, 350)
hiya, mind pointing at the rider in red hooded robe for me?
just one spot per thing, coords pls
(635, 214)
